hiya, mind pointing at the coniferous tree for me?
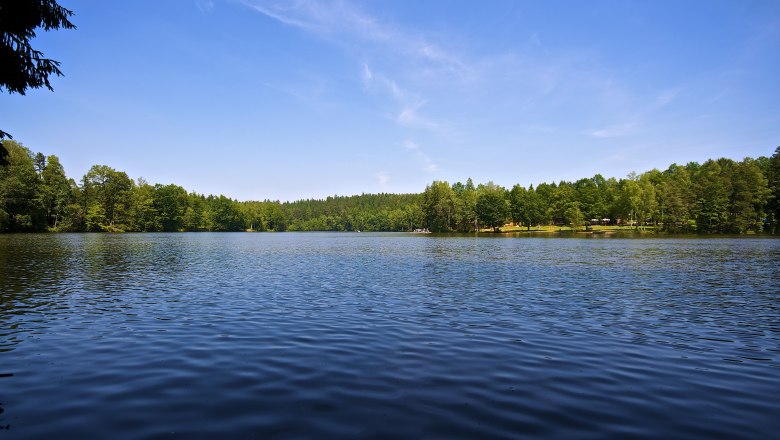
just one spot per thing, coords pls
(21, 66)
(773, 183)
(55, 191)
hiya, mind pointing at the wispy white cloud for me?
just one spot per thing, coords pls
(409, 62)
(410, 116)
(423, 160)
(637, 111)
(427, 163)
(409, 104)
(342, 21)
(286, 14)
(368, 75)
(431, 84)
(377, 82)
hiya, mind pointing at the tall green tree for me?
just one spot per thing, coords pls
(20, 208)
(493, 208)
(675, 198)
(638, 199)
(574, 216)
(194, 218)
(73, 219)
(414, 215)
(544, 194)
(611, 191)
(526, 206)
(55, 191)
(749, 195)
(773, 183)
(223, 214)
(517, 203)
(712, 188)
(535, 209)
(561, 197)
(108, 197)
(465, 206)
(170, 201)
(145, 215)
(438, 205)
(589, 193)
(253, 214)
(277, 219)
(648, 203)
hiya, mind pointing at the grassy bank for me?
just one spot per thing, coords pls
(591, 229)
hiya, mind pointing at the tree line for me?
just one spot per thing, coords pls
(718, 196)
(36, 195)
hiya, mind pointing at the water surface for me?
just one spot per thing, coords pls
(320, 335)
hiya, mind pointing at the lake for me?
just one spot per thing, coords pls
(346, 335)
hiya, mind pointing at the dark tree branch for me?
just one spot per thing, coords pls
(21, 66)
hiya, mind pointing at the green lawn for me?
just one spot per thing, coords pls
(550, 228)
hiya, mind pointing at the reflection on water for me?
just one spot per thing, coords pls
(387, 335)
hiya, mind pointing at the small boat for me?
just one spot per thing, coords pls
(421, 231)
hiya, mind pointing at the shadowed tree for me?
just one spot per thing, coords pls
(55, 191)
(21, 66)
(773, 177)
(573, 215)
(712, 189)
(675, 198)
(748, 199)
(223, 214)
(170, 202)
(19, 186)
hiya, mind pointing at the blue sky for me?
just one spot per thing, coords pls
(304, 99)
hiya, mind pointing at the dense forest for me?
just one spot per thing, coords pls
(718, 196)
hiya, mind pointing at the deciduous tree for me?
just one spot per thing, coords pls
(20, 208)
(492, 206)
(55, 191)
(108, 198)
(438, 205)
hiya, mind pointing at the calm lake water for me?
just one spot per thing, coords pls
(322, 335)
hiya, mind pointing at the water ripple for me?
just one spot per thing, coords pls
(387, 335)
